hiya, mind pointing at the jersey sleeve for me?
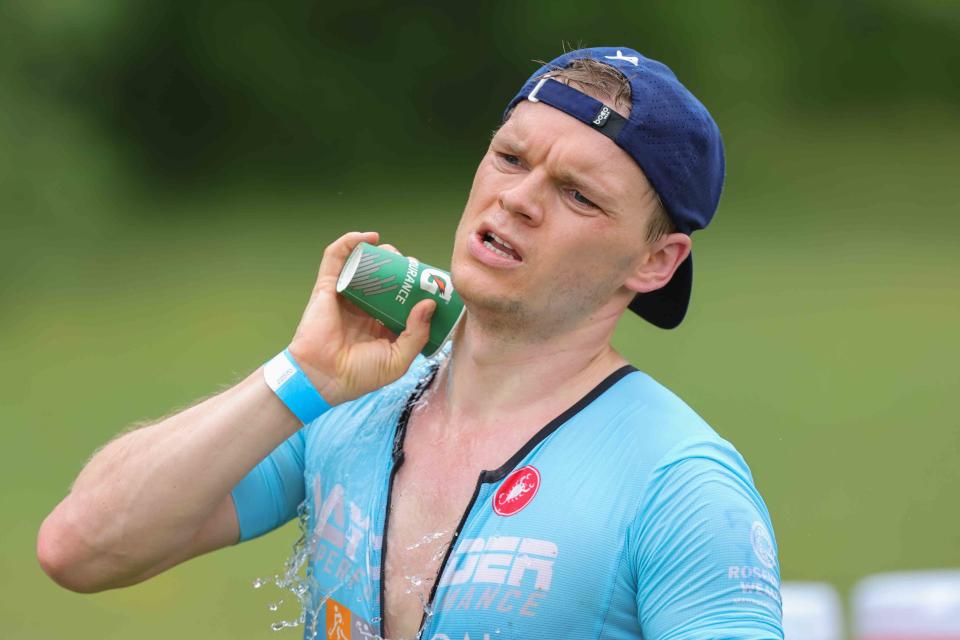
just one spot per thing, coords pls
(704, 553)
(269, 495)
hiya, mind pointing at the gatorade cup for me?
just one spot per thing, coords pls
(387, 285)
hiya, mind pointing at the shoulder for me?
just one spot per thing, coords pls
(650, 420)
(374, 411)
(701, 539)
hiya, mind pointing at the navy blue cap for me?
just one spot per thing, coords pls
(669, 133)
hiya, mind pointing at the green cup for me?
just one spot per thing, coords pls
(387, 285)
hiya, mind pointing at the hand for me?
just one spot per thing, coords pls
(345, 352)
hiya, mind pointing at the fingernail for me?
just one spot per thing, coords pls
(428, 314)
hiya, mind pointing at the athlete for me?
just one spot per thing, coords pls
(527, 483)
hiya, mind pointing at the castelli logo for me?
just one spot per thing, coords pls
(517, 491)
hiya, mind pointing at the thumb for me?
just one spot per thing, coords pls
(415, 336)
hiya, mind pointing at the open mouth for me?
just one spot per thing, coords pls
(499, 246)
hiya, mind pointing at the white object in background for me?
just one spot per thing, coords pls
(811, 611)
(916, 605)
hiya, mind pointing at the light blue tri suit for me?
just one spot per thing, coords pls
(625, 517)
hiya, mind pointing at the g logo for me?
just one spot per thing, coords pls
(436, 282)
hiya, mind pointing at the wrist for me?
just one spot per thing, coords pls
(324, 383)
(291, 385)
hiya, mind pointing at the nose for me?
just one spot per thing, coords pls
(524, 197)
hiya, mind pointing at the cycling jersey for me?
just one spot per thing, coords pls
(627, 516)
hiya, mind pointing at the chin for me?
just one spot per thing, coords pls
(506, 308)
(482, 301)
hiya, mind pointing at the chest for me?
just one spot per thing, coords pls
(376, 565)
(430, 492)
(439, 474)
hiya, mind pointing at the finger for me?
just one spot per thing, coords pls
(336, 253)
(391, 248)
(414, 337)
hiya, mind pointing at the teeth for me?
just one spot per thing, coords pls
(489, 245)
(500, 240)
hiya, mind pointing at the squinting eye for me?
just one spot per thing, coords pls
(509, 159)
(581, 199)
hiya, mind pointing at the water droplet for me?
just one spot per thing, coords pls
(300, 573)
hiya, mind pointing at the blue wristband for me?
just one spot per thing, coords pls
(285, 377)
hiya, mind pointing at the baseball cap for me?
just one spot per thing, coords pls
(670, 135)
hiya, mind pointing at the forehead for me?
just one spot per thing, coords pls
(541, 134)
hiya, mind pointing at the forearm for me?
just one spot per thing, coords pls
(160, 495)
(147, 495)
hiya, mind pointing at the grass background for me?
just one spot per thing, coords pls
(822, 341)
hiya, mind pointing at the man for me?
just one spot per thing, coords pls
(532, 484)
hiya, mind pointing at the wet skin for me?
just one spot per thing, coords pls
(574, 206)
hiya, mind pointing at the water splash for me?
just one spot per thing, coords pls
(427, 539)
(297, 577)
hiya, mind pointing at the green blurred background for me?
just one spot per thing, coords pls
(172, 172)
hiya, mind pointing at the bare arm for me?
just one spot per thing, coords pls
(150, 494)
(161, 494)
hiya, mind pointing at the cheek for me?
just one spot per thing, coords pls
(483, 174)
(595, 254)
(475, 197)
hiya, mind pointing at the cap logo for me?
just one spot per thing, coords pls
(602, 117)
(517, 491)
(634, 60)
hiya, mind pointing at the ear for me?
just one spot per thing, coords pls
(661, 261)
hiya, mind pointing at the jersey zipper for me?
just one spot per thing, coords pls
(486, 477)
(481, 480)
(397, 462)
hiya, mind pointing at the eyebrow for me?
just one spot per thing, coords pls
(564, 176)
(510, 143)
(596, 193)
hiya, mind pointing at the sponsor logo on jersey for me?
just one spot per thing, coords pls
(762, 544)
(344, 624)
(341, 532)
(517, 491)
(506, 574)
(338, 621)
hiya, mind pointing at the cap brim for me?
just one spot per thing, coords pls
(666, 307)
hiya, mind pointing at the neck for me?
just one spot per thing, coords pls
(492, 377)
